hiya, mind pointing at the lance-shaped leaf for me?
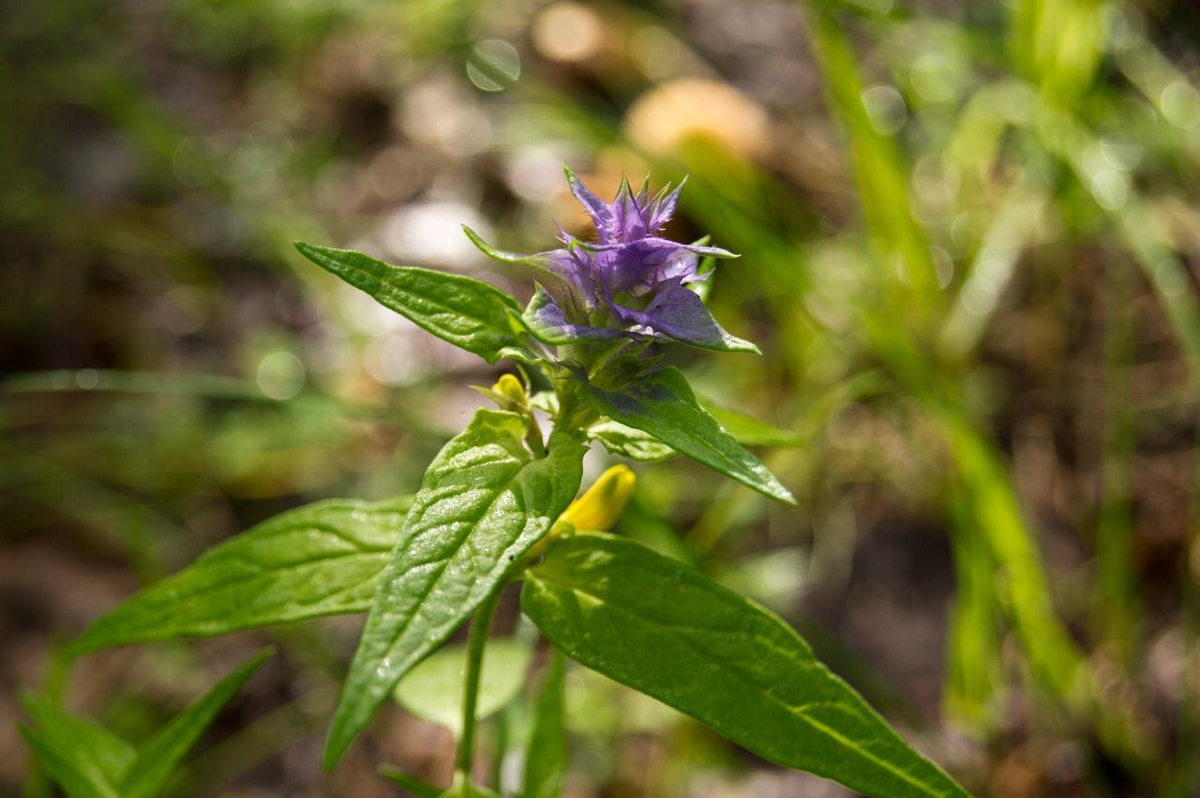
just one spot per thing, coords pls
(668, 631)
(323, 559)
(663, 405)
(159, 756)
(468, 313)
(484, 501)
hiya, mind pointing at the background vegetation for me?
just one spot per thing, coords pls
(969, 237)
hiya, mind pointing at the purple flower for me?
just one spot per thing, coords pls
(629, 282)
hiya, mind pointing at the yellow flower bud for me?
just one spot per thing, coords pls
(601, 505)
(510, 388)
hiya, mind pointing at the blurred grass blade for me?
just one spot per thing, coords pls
(62, 766)
(1170, 90)
(972, 672)
(83, 757)
(323, 559)
(1019, 573)
(484, 501)
(1064, 135)
(207, 386)
(670, 632)
(750, 431)
(159, 756)
(1059, 44)
(879, 172)
(547, 755)
(992, 269)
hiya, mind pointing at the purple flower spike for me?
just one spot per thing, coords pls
(630, 282)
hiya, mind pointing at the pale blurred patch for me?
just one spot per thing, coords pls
(670, 115)
(568, 32)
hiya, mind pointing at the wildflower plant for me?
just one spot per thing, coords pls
(498, 505)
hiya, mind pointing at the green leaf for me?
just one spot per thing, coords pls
(61, 766)
(433, 690)
(418, 787)
(546, 756)
(323, 559)
(629, 442)
(659, 627)
(468, 313)
(635, 444)
(83, 757)
(485, 500)
(161, 754)
(663, 405)
(92, 762)
(463, 788)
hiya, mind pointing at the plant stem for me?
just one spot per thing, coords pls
(476, 642)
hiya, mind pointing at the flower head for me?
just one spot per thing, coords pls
(629, 281)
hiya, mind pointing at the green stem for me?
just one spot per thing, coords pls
(476, 642)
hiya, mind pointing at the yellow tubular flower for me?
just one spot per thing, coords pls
(510, 388)
(601, 505)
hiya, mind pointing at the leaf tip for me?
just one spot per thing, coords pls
(335, 748)
(781, 494)
(477, 240)
(255, 662)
